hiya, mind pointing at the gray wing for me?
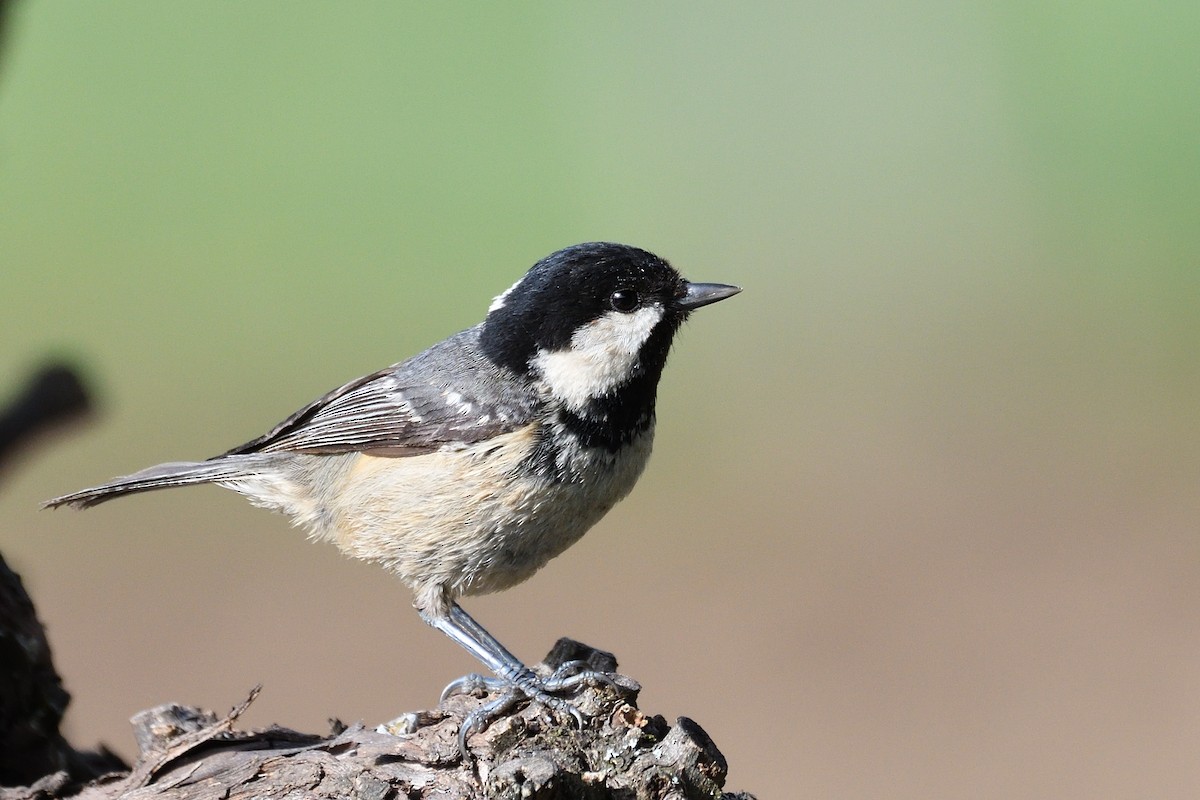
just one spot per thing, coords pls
(448, 394)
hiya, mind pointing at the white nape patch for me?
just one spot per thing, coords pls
(499, 300)
(600, 357)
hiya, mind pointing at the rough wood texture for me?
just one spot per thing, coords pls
(620, 753)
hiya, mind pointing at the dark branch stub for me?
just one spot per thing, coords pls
(51, 397)
(619, 753)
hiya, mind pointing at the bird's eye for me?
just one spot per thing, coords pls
(624, 300)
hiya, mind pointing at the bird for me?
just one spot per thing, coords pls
(466, 468)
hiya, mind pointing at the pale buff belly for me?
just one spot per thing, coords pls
(460, 522)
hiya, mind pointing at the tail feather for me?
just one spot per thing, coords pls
(179, 473)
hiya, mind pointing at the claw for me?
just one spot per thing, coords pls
(480, 718)
(572, 674)
(570, 708)
(567, 677)
(470, 684)
(568, 668)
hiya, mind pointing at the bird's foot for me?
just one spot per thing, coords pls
(568, 677)
(572, 674)
(474, 684)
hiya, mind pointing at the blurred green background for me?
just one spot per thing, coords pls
(922, 518)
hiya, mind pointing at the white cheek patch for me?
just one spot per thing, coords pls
(601, 356)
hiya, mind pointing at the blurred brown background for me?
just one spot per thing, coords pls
(922, 519)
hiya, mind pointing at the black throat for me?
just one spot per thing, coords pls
(613, 421)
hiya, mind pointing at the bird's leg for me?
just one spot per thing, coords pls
(451, 620)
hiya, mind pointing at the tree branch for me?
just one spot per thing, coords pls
(190, 754)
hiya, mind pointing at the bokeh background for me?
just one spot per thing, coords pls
(922, 518)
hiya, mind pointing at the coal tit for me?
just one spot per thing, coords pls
(467, 467)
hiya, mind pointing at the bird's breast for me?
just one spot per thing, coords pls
(484, 516)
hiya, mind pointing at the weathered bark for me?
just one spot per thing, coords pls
(620, 753)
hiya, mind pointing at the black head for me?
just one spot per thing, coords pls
(567, 290)
(593, 324)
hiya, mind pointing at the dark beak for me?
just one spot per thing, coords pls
(701, 294)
